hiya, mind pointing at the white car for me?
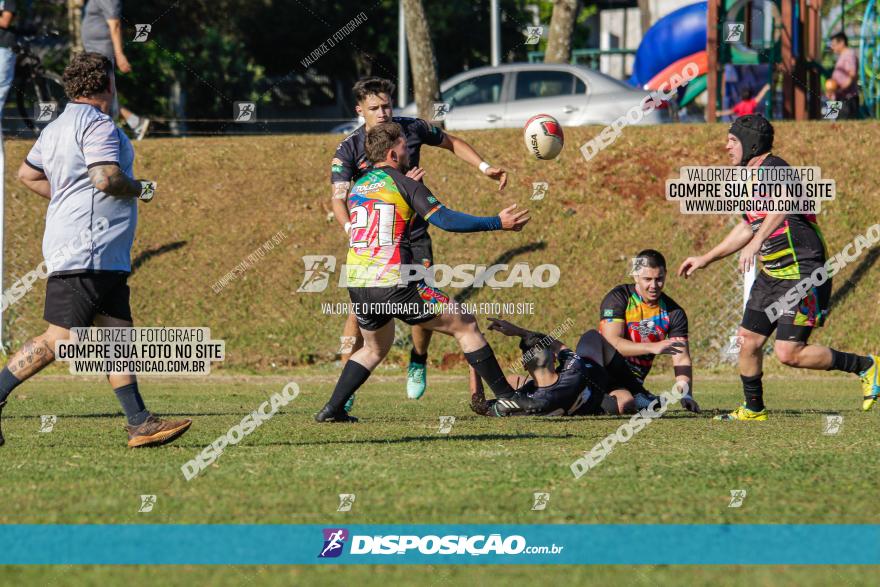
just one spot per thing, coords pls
(508, 95)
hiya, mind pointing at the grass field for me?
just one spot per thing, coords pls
(219, 199)
(291, 470)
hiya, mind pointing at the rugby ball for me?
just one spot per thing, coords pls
(543, 136)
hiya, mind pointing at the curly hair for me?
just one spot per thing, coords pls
(87, 74)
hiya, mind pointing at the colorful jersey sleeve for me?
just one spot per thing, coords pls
(419, 197)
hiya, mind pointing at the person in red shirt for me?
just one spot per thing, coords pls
(747, 105)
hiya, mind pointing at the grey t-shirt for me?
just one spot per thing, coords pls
(86, 229)
(7, 36)
(95, 30)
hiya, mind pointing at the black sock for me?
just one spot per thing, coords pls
(753, 389)
(416, 358)
(353, 376)
(8, 382)
(849, 362)
(486, 365)
(132, 403)
(622, 374)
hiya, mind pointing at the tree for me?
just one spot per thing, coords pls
(421, 58)
(645, 15)
(74, 22)
(561, 28)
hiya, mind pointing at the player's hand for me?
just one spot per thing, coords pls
(690, 404)
(667, 347)
(416, 173)
(511, 219)
(498, 175)
(747, 256)
(122, 63)
(690, 265)
(504, 327)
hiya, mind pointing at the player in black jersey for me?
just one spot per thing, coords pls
(594, 379)
(373, 98)
(791, 248)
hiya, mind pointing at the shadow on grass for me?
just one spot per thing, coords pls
(424, 438)
(502, 259)
(150, 253)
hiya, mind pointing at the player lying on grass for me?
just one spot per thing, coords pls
(83, 164)
(591, 381)
(641, 322)
(790, 248)
(382, 206)
(374, 104)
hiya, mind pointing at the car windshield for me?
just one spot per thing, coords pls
(484, 89)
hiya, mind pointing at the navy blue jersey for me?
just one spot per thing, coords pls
(350, 161)
(575, 375)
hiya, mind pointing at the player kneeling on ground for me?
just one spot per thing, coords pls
(83, 164)
(382, 206)
(593, 380)
(641, 322)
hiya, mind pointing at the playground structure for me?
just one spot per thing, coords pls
(780, 43)
(778, 38)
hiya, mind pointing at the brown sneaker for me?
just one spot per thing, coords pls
(155, 431)
(2, 440)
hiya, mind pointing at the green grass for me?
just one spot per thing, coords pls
(220, 198)
(291, 470)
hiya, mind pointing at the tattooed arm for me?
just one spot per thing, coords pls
(338, 203)
(111, 180)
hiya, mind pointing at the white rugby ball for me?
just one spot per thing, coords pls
(543, 136)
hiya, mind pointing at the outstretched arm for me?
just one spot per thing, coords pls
(762, 93)
(510, 329)
(735, 240)
(429, 207)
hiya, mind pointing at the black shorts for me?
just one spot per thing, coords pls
(793, 324)
(74, 300)
(422, 250)
(374, 307)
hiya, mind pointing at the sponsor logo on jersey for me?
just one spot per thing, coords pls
(369, 188)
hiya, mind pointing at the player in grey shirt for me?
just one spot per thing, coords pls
(102, 33)
(82, 164)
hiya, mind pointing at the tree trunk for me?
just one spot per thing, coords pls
(645, 15)
(421, 58)
(74, 25)
(561, 28)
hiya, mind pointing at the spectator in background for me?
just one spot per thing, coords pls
(7, 56)
(747, 105)
(102, 33)
(845, 77)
